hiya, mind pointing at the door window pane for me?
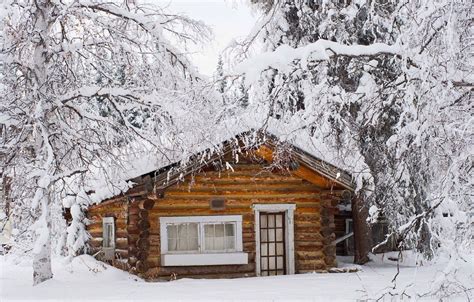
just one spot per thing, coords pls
(271, 235)
(279, 221)
(271, 221)
(280, 249)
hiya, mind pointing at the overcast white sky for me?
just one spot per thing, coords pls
(228, 19)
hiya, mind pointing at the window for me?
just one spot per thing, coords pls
(108, 229)
(202, 240)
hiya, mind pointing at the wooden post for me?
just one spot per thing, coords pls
(362, 234)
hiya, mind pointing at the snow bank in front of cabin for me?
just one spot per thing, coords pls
(85, 279)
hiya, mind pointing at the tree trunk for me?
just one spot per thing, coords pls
(362, 234)
(42, 251)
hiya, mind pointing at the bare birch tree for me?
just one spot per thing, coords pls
(59, 121)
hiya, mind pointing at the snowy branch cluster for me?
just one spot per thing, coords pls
(85, 84)
(387, 86)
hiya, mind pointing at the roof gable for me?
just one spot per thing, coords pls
(266, 147)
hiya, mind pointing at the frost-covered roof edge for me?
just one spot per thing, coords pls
(169, 175)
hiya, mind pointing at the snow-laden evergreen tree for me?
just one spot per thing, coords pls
(74, 76)
(388, 85)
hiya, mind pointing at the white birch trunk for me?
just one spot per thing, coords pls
(42, 252)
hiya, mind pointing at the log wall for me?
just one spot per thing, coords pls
(248, 184)
(117, 208)
(138, 230)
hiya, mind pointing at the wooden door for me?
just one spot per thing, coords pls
(272, 244)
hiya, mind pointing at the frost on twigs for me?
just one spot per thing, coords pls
(382, 89)
(86, 87)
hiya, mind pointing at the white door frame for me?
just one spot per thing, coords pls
(289, 210)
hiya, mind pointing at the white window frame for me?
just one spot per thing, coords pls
(185, 258)
(289, 210)
(108, 220)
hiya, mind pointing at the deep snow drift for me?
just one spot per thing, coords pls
(84, 278)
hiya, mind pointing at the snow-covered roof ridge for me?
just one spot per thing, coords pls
(170, 174)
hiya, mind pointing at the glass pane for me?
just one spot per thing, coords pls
(209, 236)
(230, 243)
(273, 273)
(279, 262)
(265, 273)
(263, 220)
(263, 249)
(271, 249)
(280, 249)
(192, 237)
(172, 231)
(271, 235)
(280, 273)
(264, 263)
(263, 235)
(271, 263)
(219, 243)
(219, 230)
(209, 231)
(183, 237)
(279, 221)
(279, 235)
(271, 221)
(229, 229)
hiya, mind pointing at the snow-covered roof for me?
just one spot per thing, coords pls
(170, 174)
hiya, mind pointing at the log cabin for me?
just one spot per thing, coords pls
(243, 211)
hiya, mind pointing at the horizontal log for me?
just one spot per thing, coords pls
(109, 202)
(309, 255)
(121, 243)
(307, 228)
(308, 237)
(202, 181)
(310, 265)
(186, 202)
(255, 187)
(307, 217)
(153, 261)
(153, 276)
(289, 193)
(154, 240)
(192, 211)
(308, 246)
(101, 209)
(203, 270)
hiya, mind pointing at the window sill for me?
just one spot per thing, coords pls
(204, 259)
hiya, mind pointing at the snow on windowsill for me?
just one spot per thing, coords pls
(204, 259)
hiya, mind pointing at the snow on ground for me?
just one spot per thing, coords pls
(85, 279)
